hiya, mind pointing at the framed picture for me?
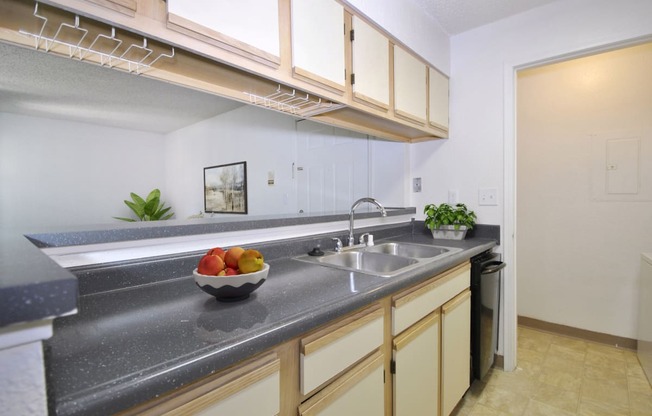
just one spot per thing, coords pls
(225, 188)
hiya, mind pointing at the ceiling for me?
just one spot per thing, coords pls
(44, 85)
(457, 16)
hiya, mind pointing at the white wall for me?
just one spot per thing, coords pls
(55, 172)
(594, 238)
(481, 103)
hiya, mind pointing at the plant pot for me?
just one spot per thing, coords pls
(448, 232)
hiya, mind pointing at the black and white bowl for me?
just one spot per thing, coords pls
(231, 288)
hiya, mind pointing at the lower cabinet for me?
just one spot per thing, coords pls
(359, 391)
(431, 329)
(416, 372)
(456, 350)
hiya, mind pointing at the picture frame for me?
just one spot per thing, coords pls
(225, 188)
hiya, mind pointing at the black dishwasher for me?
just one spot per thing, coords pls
(485, 308)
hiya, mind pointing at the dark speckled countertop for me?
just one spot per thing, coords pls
(34, 287)
(129, 344)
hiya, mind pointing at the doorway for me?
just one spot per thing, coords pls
(584, 189)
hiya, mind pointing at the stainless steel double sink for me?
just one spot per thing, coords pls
(387, 259)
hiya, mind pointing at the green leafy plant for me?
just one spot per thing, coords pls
(446, 214)
(148, 209)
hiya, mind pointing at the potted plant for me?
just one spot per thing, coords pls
(448, 221)
(148, 209)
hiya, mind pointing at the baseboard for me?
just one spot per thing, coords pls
(613, 340)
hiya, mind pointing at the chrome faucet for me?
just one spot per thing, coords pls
(354, 206)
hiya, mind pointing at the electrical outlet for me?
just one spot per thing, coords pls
(488, 196)
(416, 185)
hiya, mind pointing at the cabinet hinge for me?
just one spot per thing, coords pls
(352, 79)
(392, 367)
(352, 35)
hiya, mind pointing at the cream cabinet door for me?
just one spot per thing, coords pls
(370, 58)
(437, 99)
(360, 391)
(318, 42)
(416, 377)
(249, 27)
(456, 350)
(251, 390)
(409, 86)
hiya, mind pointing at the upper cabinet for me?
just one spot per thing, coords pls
(317, 59)
(437, 99)
(318, 42)
(409, 86)
(246, 27)
(370, 63)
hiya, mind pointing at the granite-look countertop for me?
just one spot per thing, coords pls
(131, 344)
(34, 287)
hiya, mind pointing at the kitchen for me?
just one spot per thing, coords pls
(492, 51)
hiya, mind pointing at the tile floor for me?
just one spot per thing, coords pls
(560, 376)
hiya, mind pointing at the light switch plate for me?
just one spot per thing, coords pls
(488, 196)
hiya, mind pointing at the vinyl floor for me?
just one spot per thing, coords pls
(558, 375)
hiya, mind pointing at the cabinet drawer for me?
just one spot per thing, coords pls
(415, 303)
(228, 393)
(359, 391)
(336, 347)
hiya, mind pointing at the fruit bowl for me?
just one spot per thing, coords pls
(231, 288)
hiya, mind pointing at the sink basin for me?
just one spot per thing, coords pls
(373, 263)
(418, 251)
(385, 260)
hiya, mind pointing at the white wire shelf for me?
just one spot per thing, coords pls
(108, 49)
(293, 103)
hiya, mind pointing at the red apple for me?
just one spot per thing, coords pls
(232, 256)
(210, 265)
(217, 251)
